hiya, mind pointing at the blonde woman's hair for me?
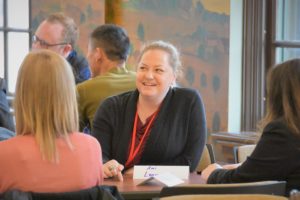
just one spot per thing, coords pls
(45, 103)
(174, 55)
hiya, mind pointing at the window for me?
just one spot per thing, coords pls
(287, 30)
(253, 64)
(271, 35)
(14, 37)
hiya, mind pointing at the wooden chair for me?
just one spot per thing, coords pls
(207, 158)
(295, 195)
(226, 197)
(261, 187)
(242, 152)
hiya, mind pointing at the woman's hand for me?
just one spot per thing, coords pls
(113, 168)
(208, 170)
(231, 166)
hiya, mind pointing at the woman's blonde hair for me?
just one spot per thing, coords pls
(174, 55)
(45, 103)
(283, 100)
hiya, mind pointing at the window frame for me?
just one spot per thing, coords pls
(259, 55)
(6, 30)
(273, 42)
(253, 64)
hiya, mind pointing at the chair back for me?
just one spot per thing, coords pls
(95, 193)
(207, 158)
(295, 195)
(261, 187)
(242, 152)
(226, 197)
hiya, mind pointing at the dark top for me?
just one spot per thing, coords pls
(80, 67)
(276, 157)
(140, 133)
(177, 137)
(6, 120)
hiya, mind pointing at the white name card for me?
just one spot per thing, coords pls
(167, 179)
(148, 171)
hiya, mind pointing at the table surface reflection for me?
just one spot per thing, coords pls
(130, 189)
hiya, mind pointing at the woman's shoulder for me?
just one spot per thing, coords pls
(85, 142)
(13, 145)
(18, 139)
(279, 128)
(120, 98)
(83, 137)
(277, 124)
(185, 93)
(185, 90)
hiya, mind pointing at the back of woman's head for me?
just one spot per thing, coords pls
(283, 100)
(45, 103)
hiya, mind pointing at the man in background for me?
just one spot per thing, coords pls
(7, 125)
(59, 33)
(108, 50)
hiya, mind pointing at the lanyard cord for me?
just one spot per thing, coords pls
(134, 151)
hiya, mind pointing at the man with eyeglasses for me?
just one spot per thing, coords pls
(59, 33)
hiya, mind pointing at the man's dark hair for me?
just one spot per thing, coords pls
(113, 40)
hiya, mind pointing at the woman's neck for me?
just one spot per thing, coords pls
(146, 107)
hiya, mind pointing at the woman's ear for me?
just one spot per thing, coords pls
(174, 79)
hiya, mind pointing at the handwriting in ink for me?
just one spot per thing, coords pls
(150, 172)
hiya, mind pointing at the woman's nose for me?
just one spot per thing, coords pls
(149, 74)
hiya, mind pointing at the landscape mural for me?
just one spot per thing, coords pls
(202, 35)
(199, 28)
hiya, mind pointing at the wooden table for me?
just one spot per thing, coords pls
(130, 190)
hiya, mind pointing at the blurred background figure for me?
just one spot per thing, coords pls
(276, 155)
(7, 126)
(108, 50)
(59, 33)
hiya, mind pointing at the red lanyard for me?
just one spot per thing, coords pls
(134, 151)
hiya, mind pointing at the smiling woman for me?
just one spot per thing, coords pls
(157, 124)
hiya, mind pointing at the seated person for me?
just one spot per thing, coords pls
(7, 126)
(60, 33)
(6, 120)
(276, 156)
(108, 51)
(5, 134)
(48, 154)
(157, 124)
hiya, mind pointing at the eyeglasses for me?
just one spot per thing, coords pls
(45, 44)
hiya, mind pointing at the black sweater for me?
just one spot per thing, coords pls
(177, 137)
(276, 157)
